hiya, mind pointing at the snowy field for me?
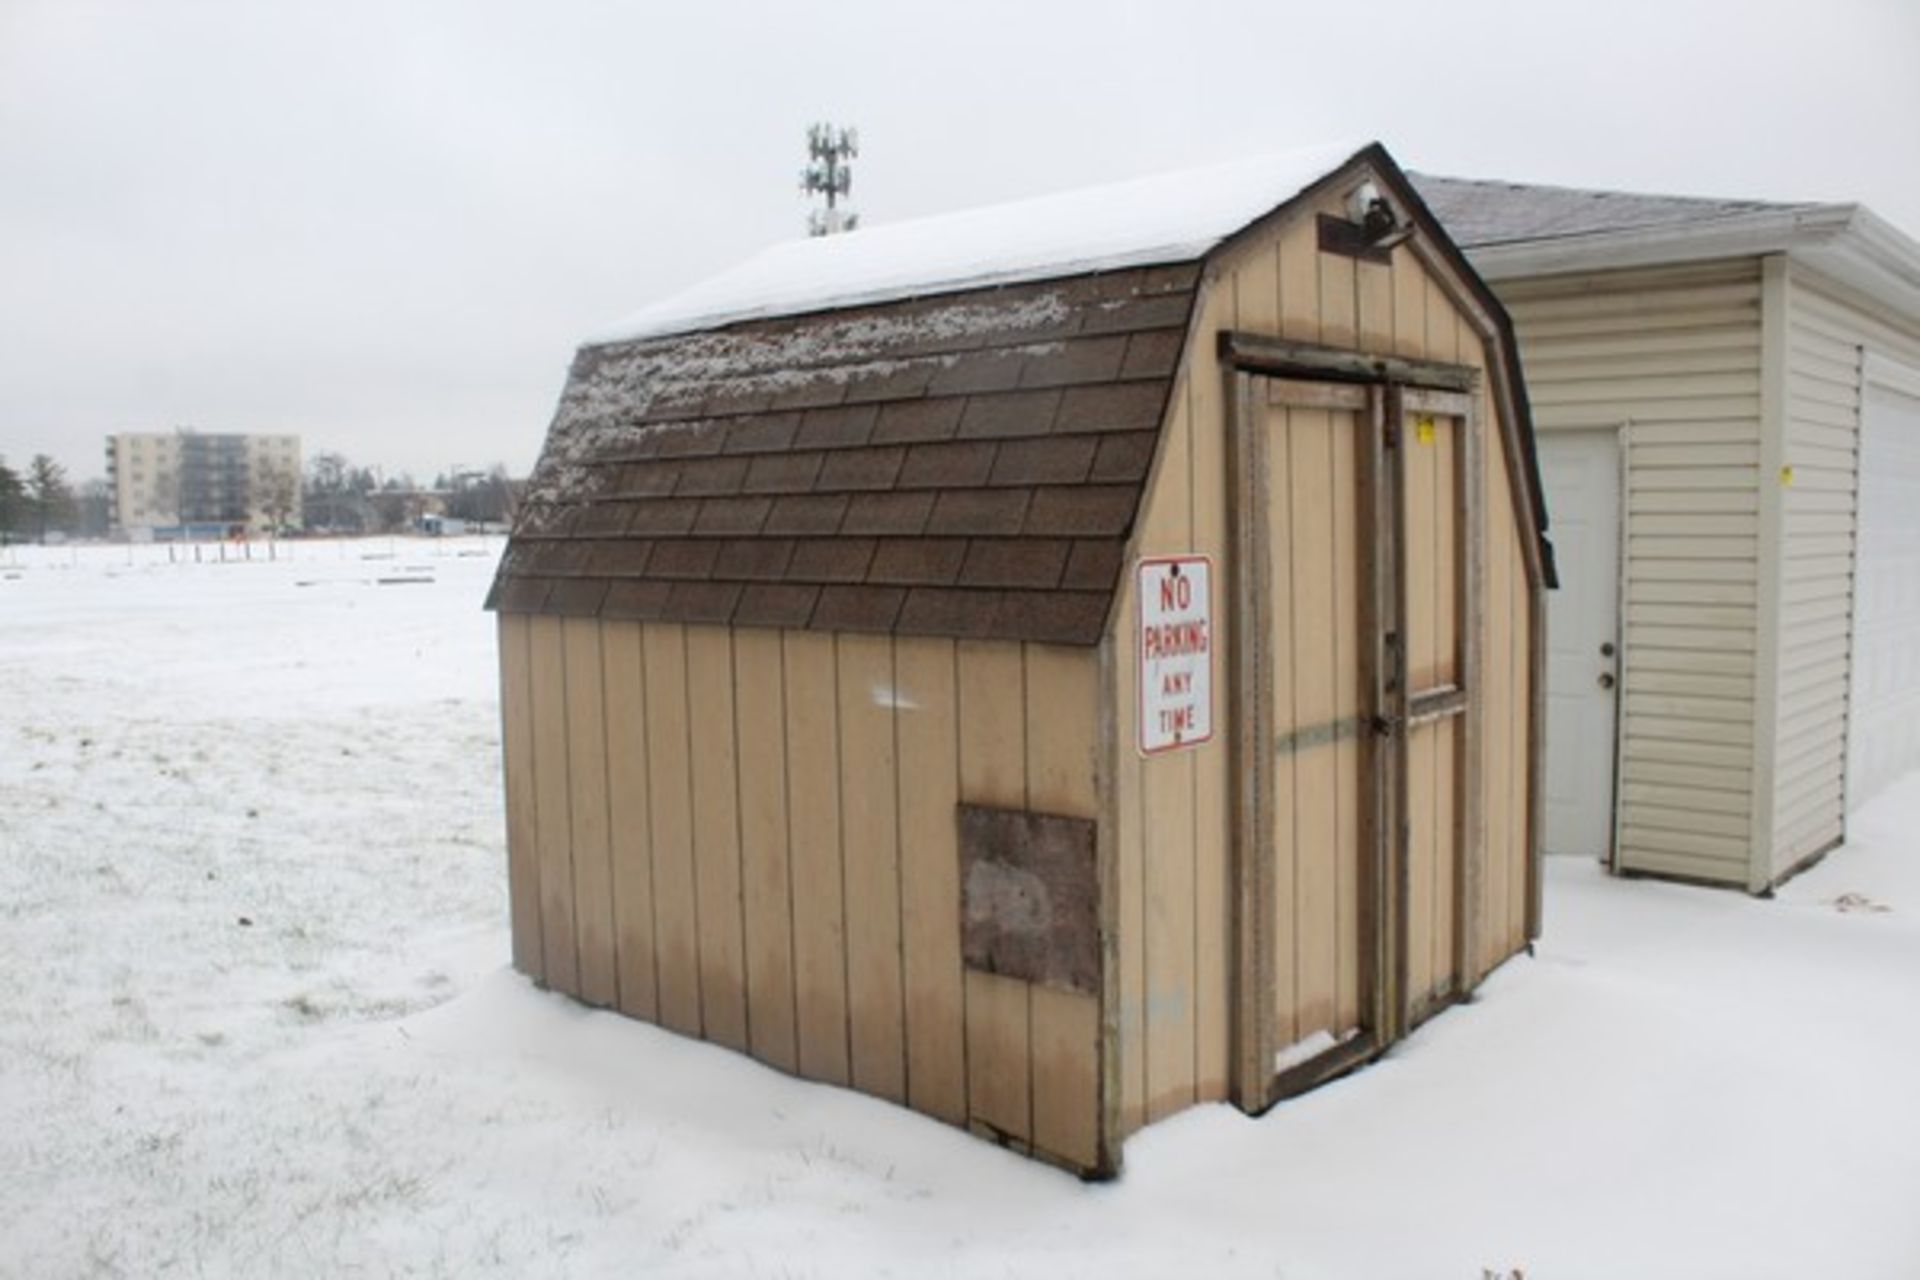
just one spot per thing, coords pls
(255, 1019)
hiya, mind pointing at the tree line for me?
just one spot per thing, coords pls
(334, 496)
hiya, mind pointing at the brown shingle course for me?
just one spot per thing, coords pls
(1135, 314)
(663, 516)
(625, 558)
(703, 601)
(1033, 563)
(838, 428)
(917, 561)
(576, 597)
(806, 514)
(914, 420)
(891, 380)
(1094, 565)
(604, 519)
(1081, 360)
(948, 465)
(1009, 414)
(754, 559)
(830, 560)
(763, 433)
(519, 595)
(984, 513)
(647, 479)
(1124, 457)
(847, 470)
(737, 516)
(1123, 406)
(704, 476)
(683, 558)
(782, 473)
(1082, 512)
(696, 439)
(1153, 354)
(808, 391)
(775, 605)
(888, 513)
(644, 601)
(857, 608)
(1047, 460)
(948, 611)
(978, 371)
(1052, 617)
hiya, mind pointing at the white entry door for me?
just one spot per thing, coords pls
(1883, 733)
(1580, 471)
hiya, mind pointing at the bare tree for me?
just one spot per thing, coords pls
(48, 494)
(13, 500)
(278, 490)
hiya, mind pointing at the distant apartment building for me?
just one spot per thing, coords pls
(171, 480)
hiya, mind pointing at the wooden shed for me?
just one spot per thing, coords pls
(1049, 665)
(1728, 397)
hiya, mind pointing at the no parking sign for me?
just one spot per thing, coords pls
(1175, 643)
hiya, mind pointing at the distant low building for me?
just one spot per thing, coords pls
(161, 480)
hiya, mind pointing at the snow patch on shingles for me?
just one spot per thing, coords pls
(1170, 217)
(599, 411)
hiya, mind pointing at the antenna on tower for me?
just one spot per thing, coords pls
(830, 173)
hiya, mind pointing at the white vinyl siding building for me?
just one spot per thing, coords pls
(1744, 364)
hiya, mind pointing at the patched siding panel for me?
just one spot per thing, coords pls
(1674, 355)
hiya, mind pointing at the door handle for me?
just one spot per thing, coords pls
(1606, 679)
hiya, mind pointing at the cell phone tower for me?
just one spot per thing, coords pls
(829, 172)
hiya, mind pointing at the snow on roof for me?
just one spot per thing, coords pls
(1169, 217)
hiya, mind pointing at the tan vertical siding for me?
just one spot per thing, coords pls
(1674, 355)
(1173, 837)
(750, 836)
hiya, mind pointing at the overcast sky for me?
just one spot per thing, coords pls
(386, 225)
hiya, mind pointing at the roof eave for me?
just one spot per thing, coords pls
(1871, 256)
(1739, 236)
(1850, 243)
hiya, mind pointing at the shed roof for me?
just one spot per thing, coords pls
(846, 434)
(1166, 217)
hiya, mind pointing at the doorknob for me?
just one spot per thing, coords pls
(1606, 679)
(1606, 648)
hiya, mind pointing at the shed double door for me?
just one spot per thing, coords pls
(1357, 537)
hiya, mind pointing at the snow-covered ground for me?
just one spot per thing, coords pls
(255, 1020)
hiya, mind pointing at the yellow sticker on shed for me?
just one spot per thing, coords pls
(1786, 477)
(1423, 429)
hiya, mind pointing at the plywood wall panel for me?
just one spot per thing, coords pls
(587, 806)
(716, 835)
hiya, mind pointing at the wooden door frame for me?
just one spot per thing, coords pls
(1382, 390)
